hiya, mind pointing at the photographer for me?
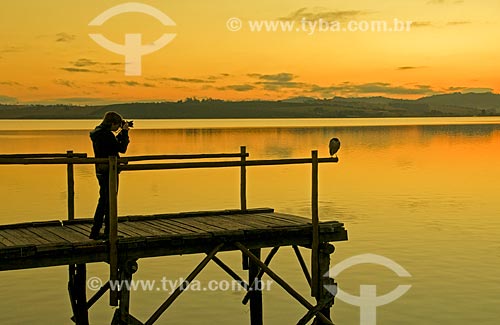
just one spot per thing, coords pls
(106, 144)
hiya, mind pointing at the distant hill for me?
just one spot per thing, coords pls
(473, 100)
(456, 104)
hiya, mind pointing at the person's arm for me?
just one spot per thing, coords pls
(122, 141)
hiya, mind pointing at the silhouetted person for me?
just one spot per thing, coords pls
(106, 144)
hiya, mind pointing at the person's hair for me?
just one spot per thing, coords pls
(112, 118)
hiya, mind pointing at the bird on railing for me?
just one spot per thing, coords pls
(334, 146)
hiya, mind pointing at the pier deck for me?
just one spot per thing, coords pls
(52, 243)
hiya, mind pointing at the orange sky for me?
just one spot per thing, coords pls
(47, 55)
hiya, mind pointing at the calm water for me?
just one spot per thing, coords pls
(422, 192)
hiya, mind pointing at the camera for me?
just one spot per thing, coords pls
(130, 123)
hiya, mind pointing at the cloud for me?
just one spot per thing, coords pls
(11, 49)
(189, 80)
(347, 88)
(220, 76)
(65, 37)
(84, 63)
(128, 83)
(279, 77)
(7, 100)
(469, 90)
(275, 82)
(408, 68)
(90, 66)
(417, 24)
(321, 13)
(458, 23)
(66, 83)
(76, 101)
(10, 83)
(241, 88)
(71, 69)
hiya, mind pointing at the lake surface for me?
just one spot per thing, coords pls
(422, 192)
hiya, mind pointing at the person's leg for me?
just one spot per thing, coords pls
(102, 205)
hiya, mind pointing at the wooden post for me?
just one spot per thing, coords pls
(126, 272)
(325, 297)
(243, 183)
(113, 228)
(71, 187)
(243, 196)
(77, 291)
(315, 227)
(256, 317)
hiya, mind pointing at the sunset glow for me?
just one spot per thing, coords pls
(47, 56)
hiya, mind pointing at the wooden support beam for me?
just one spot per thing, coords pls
(71, 188)
(222, 164)
(42, 155)
(77, 287)
(181, 156)
(243, 195)
(229, 271)
(183, 286)
(255, 291)
(315, 227)
(126, 272)
(267, 261)
(303, 301)
(302, 263)
(113, 228)
(325, 297)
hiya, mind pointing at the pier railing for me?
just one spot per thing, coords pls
(124, 164)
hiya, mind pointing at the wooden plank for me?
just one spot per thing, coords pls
(291, 217)
(130, 228)
(17, 238)
(270, 221)
(175, 226)
(146, 227)
(68, 234)
(227, 223)
(5, 241)
(248, 221)
(51, 237)
(280, 220)
(77, 228)
(40, 240)
(127, 231)
(201, 223)
(185, 224)
(160, 227)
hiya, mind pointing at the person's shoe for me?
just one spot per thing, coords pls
(94, 236)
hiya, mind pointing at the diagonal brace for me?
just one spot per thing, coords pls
(230, 272)
(183, 285)
(261, 273)
(310, 314)
(302, 264)
(282, 283)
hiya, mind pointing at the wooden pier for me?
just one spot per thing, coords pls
(66, 242)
